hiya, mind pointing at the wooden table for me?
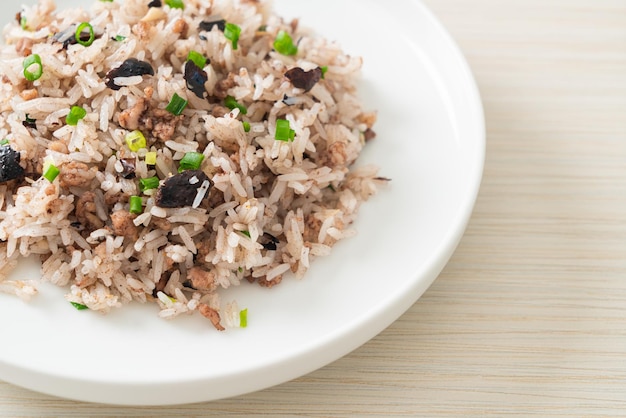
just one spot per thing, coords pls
(529, 317)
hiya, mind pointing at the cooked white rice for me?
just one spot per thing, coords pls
(273, 205)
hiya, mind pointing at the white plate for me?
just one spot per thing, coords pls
(430, 142)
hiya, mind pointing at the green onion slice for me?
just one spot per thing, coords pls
(190, 161)
(324, 70)
(197, 58)
(33, 69)
(284, 44)
(175, 4)
(51, 172)
(76, 114)
(232, 32)
(243, 318)
(23, 23)
(135, 204)
(79, 306)
(135, 140)
(246, 233)
(231, 103)
(148, 183)
(4, 142)
(246, 126)
(79, 31)
(284, 131)
(151, 158)
(176, 105)
(119, 38)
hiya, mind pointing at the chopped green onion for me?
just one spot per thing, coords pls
(51, 172)
(107, 1)
(246, 233)
(176, 105)
(119, 38)
(232, 32)
(23, 22)
(324, 70)
(148, 183)
(76, 114)
(79, 306)
(190, 161)
(175, 4)
(135, 204)
(31, 61)
(284, 131)
(231, 103)
(262, 28)
(243, 318)
(4, 142)
(246, 126)
(197, 58)
(284, 44)
(79, 31)
(135, 140)
(151, 158)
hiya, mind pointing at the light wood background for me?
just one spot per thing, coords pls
(529, 317)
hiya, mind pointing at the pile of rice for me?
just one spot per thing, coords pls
(273, 205)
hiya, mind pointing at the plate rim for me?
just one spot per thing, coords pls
(337, 344)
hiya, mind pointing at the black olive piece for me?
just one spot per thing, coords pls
(155, 3)
(77, 225)
(304, 79)
(160, 285)
(129, 68)
(195, 78)
(207, 25)
(268, 241)
(128, 168)
(180, 190)
(10, 167)
(30, 123)
(289, 101)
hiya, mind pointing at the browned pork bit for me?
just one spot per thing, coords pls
(212, 315)
(76, 174)
(86, 211)
(24, 46)
(182, 189)
(181, 27)
(10, 167)
(129, 68)
(129, 118)
(222, 86)
(369, 134)
(304, 79)
(29, 94)
(123, 225)
(201, 279)
(160, 123)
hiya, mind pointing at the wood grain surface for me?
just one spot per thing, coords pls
(529, 316)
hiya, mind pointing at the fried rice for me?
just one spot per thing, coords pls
(165, 151)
